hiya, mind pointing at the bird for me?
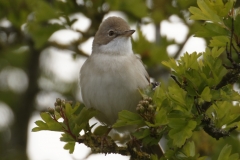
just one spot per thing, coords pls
(111, 77)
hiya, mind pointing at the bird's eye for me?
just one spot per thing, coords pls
(110, 33)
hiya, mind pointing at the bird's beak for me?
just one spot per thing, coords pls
(128, 33)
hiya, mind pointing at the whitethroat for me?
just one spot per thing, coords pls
(111, 77)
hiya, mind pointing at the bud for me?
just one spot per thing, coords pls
(51, 111)
(149, 99)
(57, 109)
(138, 107)
(141, 109)
(151, 108)
(58, 101)
(145, 103)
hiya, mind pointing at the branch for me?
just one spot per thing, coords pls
(72, 47)
(181, 46)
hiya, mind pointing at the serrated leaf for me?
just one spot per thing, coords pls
(189, 60)
(206, 94)
(211, 30)
(126, 118)
(145, 136)
(189, 149)
(84, 116)
(101, 130)
(41, 124)
(204, 13)
(161, 117)
(36, 129)
(219, 41)
(67, 138)
(171, 63)
(140, 134)
(216, 52)
(177, 94)
(70, 146)
(70, 110)
(46, 117)
(181, 130)
(50, 124)
(225, 153)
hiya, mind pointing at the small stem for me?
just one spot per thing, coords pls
(175, 79)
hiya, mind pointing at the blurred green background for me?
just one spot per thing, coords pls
(29, 67)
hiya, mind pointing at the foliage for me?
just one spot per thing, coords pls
(199, 97)
(199, 100)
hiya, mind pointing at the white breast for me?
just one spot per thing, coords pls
(110, 84)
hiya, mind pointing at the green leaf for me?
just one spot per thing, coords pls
(50, 124)
(41, 124)
(177, 94)
(204, 12)
(84, 116)
(101, 130)
(219, 41)
(46, 117)
(36, 129)
(171, 63)
(67, 138)
(226, 154)
(70, 146)
(145, 135)
(189, 149)
(189, 60)
(154, 157)
(70, 110)
(181, 130)
(161, 117)
(142, 133)
(216, 52)
(206, 94)
(126, 118)
(211, 30)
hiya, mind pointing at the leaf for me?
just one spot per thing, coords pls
(206, 94)
(189, 149)
(126, 118)
(46, 117)
(66, 138)
(181, 130)
(225, 153)
(204, 12)
(189, 60)
(41, 124)
(101, 130)
(211, 30)
(161, 117)
(70, 146)
(177, 94)
(49, 124)
(171, 63)
(84, 116)
(70, 110)
(216, 52)
(142, 133)
(219, 41)
(145, 135)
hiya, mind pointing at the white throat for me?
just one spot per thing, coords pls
(119, 45)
